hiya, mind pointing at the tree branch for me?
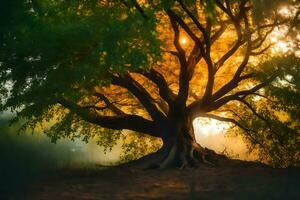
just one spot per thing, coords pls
(109, 104)
(130, 122)
(258, 115)
(212, 69)
(251, 108)
(126, 81)
(233, 83)
(138, 7)
(236, 20)
(197, 107)
(164, 90)
(183, 75)
(217, 104)
(197, 23)
(174, 18)
(241, 126)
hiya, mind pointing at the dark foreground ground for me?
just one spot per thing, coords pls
(230, 179)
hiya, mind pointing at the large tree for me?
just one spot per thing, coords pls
(93, 68)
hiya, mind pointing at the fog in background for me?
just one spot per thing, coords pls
(27, 157)
(216, 135)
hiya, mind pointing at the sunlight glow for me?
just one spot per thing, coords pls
(279, 43)
(284, 11)
(273, 39)
(208, 127)
(281, 47)
(183, 40)
(278, 37)
(287, 11)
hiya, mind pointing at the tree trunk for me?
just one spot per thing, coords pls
(184, 151)
(179, 149)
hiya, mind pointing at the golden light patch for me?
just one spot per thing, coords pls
(183, 41)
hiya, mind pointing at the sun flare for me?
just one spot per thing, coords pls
(208, 127)
(183, 40)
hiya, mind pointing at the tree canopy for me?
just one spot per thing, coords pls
(94, 68)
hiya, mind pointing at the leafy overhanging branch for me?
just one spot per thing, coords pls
(131, 122)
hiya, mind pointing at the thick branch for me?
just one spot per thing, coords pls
(109, 104)
(183, 76)
(175, 18)
(218, 33)
(130, 122)
(233, 83)
(217, 104)
(164, 90)
(193, 59)
(236, 20)
(126, 81)
(198, 107)
(198, 24)
(237, 76)
(198, 51)
(212, 69)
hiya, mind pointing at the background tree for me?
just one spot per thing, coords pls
(94, 68)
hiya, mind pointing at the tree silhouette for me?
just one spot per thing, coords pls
(89, 66)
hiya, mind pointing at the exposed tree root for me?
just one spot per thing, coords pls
(169, 156)
(180, 152)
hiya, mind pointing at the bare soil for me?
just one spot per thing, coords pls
(229, 179)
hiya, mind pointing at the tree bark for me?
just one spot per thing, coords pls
(180, 149)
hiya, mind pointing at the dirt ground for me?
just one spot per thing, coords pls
(229, 179)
